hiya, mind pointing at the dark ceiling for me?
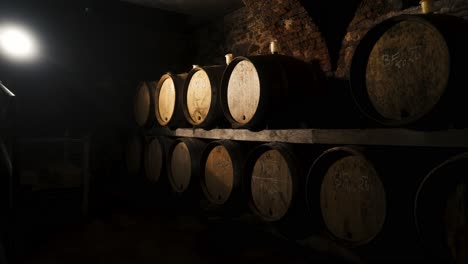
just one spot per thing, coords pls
(196, 8)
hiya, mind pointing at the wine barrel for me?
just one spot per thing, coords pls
(271, 179)
(134, 154)
(273, 91)
(441, 210)
(346, 190)
(168, 100)
(144, 106)
(155, 158)
(221, 172)
(184, 164)
(201, 96)
(406, 71)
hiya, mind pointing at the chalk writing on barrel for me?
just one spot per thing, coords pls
(402, 58)
(346, 183)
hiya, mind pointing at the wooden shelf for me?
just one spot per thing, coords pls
(378, 136)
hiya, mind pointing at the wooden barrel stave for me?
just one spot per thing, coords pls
(344, 188)
(391, 234)
(274, 176)
(412, 84)
(168, 101)
(200, 101)
(155, 158)
(275, 91)
(222, 170)
(271, 173)
(144, 105)
(440, 210)
(184, 165)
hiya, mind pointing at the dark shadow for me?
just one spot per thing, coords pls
(332, 18)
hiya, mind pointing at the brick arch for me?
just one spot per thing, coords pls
(369, 13)
(289, 23)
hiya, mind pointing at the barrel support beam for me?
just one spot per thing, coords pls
(456, 138)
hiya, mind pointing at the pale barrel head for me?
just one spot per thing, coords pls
(181, 168)
(352, 200)
(243, 92)
(167, 101)
(199, 96)
(271, 185)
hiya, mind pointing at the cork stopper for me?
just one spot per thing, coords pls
(229, 58)
(427, 6)
(274, 47)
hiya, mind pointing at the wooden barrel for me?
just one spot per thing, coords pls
(201, 96)
(155, 158)
(184, 164)
(143, 105)
(406, 71)
(134, 154)
(441, 210)
(221, 171)
(168, 100)
(273, 91)
(346, 190)
(271, 173)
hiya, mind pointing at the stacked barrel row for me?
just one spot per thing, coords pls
(251, 92)
(371, 199)
(406, 71)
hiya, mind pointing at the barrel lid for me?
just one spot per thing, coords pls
(218, 178)
(166, 99)
(349, 193)
(352, 200)
(198, 95)
(243, 90)
(154, 160)
(142, 104)
(271, 185)
(400, 70)
(180, 167)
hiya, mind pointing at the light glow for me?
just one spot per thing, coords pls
(17, 43)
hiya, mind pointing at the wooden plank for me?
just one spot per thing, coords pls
(378, 136)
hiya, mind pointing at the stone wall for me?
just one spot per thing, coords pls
(289, 23)
(249, 30)
(240, 33)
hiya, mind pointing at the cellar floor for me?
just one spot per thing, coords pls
(132, 229)
(165, 238)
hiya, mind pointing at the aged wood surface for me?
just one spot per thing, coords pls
(243, 92)
(142, 104)
(407, 70)
(352, 200)
(181, 168)
(167, 101)
(199, 96)
(154, 160)
(219, 175)
(271, 185)
(377, 136)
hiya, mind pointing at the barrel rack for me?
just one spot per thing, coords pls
(399, 137)
(451, 138)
